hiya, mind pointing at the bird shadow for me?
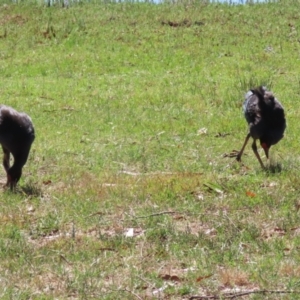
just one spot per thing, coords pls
(29, 189)
(274, 168)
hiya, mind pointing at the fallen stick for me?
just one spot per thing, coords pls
(236, 295)
(157, 214)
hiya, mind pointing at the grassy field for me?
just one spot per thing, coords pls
(128, 192)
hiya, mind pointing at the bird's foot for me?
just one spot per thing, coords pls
(233, 153)
(6, 187)
(10, 185)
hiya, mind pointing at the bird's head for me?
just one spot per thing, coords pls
(266, 146)
(269, 95)
(269, 139)
(269, 98)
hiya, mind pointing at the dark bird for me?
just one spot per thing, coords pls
(16, 137)
(266, 119)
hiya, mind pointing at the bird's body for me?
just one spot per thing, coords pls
(16, 137)
(266, 119)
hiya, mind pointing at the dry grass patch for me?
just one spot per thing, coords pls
(13, 19)
(194, 227)
(289, 269)
(269, 231)
(233, 277)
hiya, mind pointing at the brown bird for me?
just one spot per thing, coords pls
(16, 137)
(266, 119)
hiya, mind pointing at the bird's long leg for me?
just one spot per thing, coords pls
(238, 157)
(6, 158)
(254, 147)
(6, 163)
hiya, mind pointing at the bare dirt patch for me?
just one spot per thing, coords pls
(13, 19)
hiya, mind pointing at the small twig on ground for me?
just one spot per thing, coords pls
(132, 293)
(236, 295)
(157, 214)
(231, 222)
(64, 259)
(190, 174)
(146, 281)
(146, 174)
(98, 213)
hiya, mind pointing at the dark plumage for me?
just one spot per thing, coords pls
(265, 116)
(16, 137)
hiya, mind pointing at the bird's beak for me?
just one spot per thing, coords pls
(266, 149)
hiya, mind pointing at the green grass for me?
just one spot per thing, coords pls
(133, 118)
